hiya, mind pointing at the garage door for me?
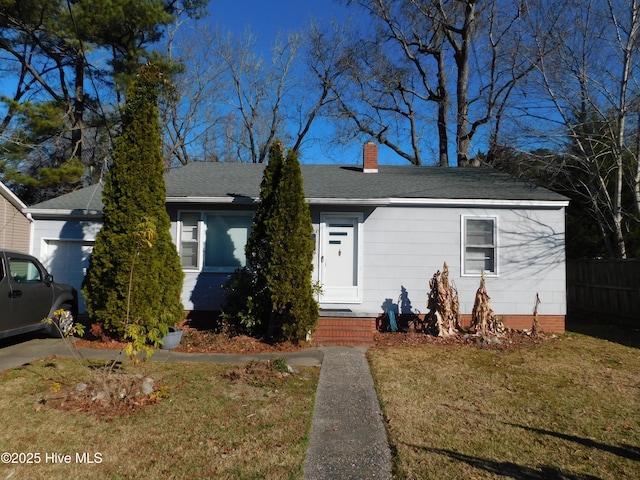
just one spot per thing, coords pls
(67, 261)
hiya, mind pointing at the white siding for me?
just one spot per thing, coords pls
(405, 246)
(46, 229)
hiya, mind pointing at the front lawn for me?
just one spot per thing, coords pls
(568, 408)
(211, 421)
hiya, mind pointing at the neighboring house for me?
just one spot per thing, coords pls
(15, 224)
(380, 232)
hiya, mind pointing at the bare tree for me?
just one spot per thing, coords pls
(400, 76)
(588, 88)
(193, 114)
(396, 81)
(231, 104)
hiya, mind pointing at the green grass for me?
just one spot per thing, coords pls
(219, 421)
(567, 409)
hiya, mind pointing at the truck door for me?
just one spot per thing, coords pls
(5, 298)
(30, 295)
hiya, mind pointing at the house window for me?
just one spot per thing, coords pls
(214, 241)
(479, 246)
(226, 237)
(189, 240)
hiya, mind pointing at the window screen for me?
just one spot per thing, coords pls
(480, 246)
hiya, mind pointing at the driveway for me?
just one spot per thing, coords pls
(16, 351)
(23, 349)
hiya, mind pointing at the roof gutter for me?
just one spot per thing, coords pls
(383, 202)
(379, 202)
(370, 202)
(466, 202)
(225, 199)
(57, 212)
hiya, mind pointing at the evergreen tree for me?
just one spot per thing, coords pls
(258, 250)
(55, 111)
(134, 275)
(280, 251)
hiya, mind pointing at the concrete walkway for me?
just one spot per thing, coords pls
(347, 440)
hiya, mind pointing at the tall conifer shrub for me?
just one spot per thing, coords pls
(280, 252)
(134, 274)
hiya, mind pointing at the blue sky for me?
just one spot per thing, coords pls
(266, 19)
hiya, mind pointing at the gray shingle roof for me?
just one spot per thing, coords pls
(326, 183)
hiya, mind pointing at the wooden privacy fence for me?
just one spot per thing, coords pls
(604, 290)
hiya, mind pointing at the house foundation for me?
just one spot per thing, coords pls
(345, 328)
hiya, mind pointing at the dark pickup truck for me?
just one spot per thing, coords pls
(28, 294)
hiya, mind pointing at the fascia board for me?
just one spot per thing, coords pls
(59, 212)
(225, 199)
(479, 202)
(462, 202)
(379, 202)
(376, 202)
(315, 201)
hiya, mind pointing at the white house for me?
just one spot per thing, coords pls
(381, 233)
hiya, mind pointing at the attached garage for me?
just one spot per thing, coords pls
(67, 261)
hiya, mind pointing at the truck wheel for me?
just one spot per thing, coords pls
(63, 323)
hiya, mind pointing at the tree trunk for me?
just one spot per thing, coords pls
(78, 109)
(443, 105)
(462, 88)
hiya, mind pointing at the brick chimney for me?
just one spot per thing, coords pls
(370, 158)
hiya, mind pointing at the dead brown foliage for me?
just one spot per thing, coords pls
(255, 373)
(509, 340)
(107, 394)
(483, 319)
(196, 340)
(443, 304)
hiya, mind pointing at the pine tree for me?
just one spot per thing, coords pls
(134, 276)
(280, 251)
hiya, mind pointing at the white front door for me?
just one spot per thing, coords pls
(339, 265)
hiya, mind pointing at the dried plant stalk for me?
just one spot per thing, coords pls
(443, 304)
(483, 319)
(535, 328)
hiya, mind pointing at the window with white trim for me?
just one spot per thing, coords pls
(479, 246)
(189, 240)
(214, 241)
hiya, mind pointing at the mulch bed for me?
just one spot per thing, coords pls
(204, 341)
(509, 340)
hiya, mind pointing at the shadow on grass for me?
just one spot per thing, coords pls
(617, 333)
(625, 451)
(510, 469)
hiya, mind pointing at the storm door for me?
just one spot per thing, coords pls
(339, 262)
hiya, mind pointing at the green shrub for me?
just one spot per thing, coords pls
(280, 300)
(134, 276)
